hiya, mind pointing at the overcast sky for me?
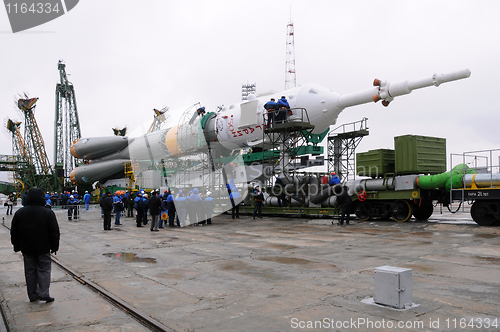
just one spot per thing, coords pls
(127, 57)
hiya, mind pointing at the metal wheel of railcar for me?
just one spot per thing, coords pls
(422, 210)
(362, 211)
(401, 210)
(485, 213)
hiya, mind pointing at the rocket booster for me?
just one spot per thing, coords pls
(236, 126)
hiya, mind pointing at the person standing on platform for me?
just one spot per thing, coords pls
(271, 108)
(35, 232)
(154, 210)
(283, 109)
(107, 206)
(258, 202)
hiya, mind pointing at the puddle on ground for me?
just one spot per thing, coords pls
(494, 260)
(285, 260)
(130, 257)
(486, 236)
(299, 261)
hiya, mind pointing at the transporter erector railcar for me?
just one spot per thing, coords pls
(397, 193)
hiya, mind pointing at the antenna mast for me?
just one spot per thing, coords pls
(290, 79)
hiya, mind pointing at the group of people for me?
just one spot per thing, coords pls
(276, 111)
(68, 200)
(175, 209)
(54, 199)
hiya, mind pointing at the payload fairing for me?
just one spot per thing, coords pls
(236, 126)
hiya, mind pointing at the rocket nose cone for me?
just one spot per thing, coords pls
(321, 106)
(73, 149)
(73, 175)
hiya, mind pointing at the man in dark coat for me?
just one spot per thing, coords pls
(106, 204)
(154, 210)
(35, 232)
(258, 197)
(171, 210)
(130, 205)
(345, 200)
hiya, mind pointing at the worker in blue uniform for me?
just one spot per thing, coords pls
(334, 179)
(139, 208)
(86, 199)
(283, 108)
(199, 112)
(271, 107)
(209, 207)
(235, 198)
(195, 206)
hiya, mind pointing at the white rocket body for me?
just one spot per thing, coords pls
(239, 125)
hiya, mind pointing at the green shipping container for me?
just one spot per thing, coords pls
(375, 163)
(420, 154)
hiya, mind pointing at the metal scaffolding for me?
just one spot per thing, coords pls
(341, 146)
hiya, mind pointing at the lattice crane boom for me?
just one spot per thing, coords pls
(33, 137)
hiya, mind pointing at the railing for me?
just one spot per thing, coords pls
(355, 126)
(482, 161)
(299, 114)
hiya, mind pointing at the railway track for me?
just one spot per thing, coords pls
(137, 314)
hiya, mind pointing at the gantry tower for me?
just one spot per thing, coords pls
(66, 125)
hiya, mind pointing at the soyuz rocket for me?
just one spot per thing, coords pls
(236, 126)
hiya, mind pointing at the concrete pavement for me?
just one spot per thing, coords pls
(273, 274)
